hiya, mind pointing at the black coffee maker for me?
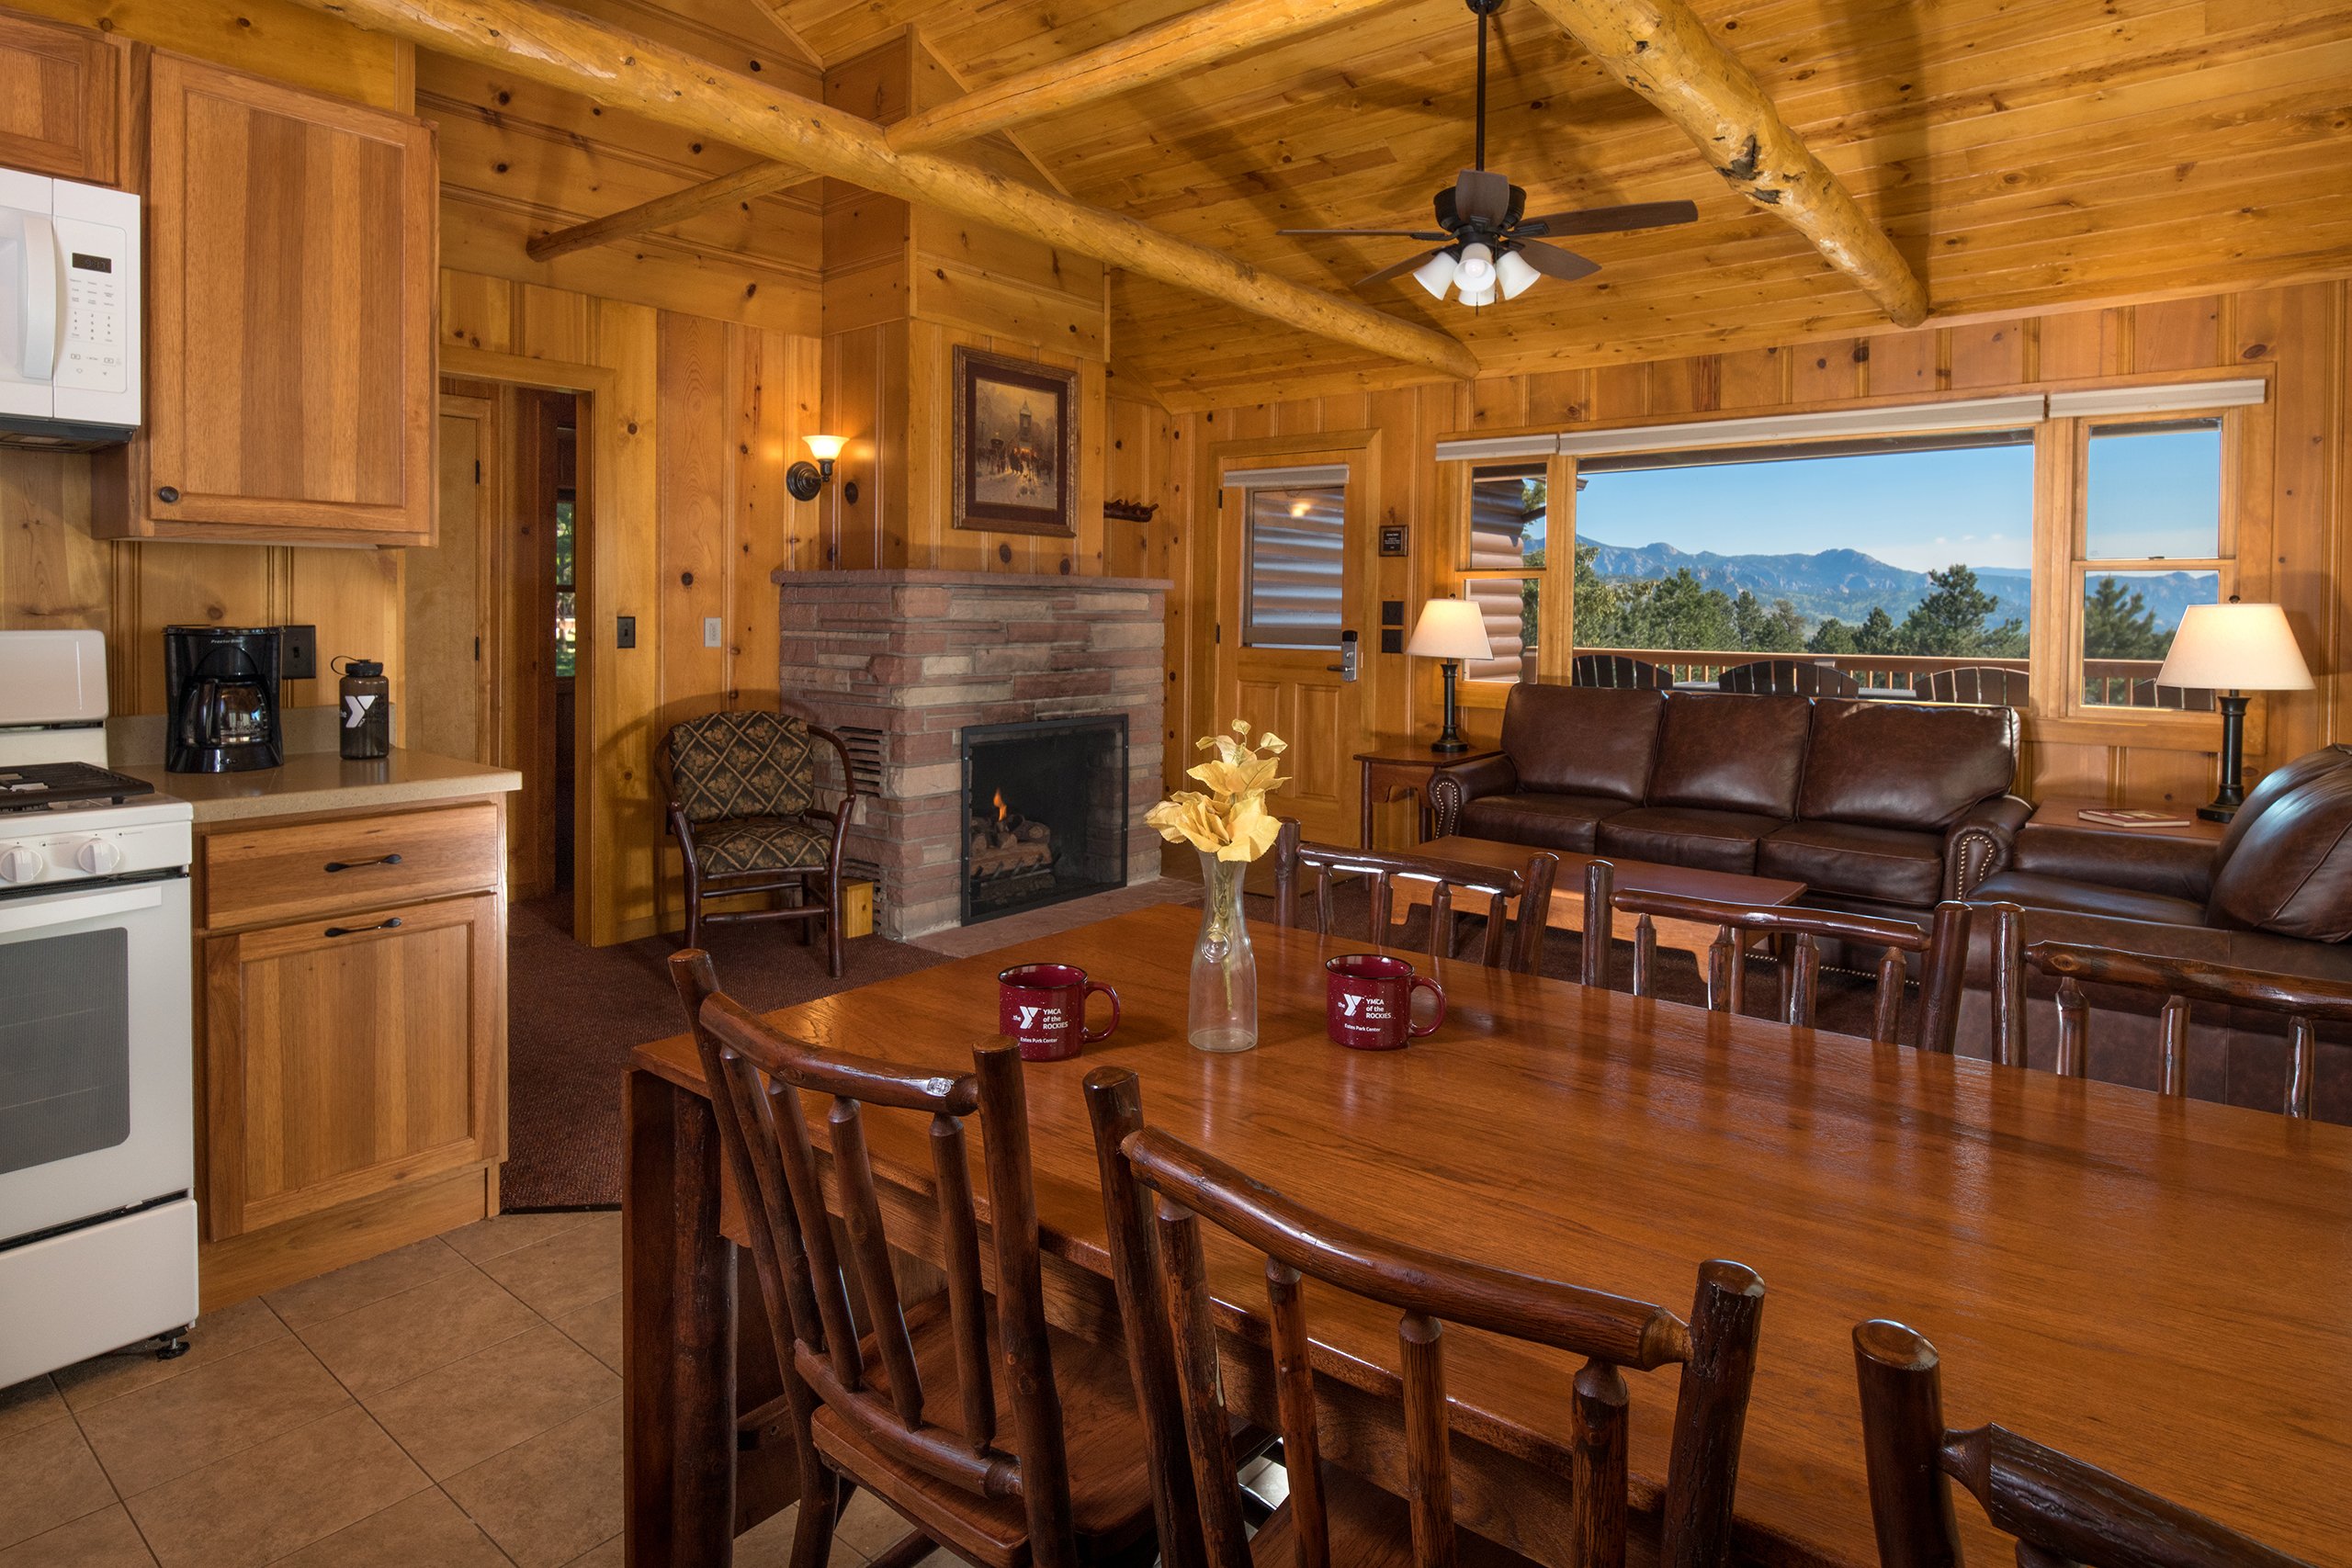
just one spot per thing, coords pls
(221, 698)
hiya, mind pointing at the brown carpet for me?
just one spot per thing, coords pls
(574, 1014)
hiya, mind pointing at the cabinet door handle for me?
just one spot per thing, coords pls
(335, 865)
(167, 494)
(392, 924)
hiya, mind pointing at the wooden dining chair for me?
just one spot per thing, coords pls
(991, 1432)
(1798, 934)
(2306, 1002)
(2062, 1512)
(1332, 1518)
(1529, 889)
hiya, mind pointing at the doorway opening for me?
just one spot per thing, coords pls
(493, 610)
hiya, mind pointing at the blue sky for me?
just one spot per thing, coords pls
(1918, 510)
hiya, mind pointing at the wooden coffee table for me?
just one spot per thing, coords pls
(1567, 891)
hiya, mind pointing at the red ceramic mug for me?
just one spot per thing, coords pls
(1368, 1001)
(1043, 1006)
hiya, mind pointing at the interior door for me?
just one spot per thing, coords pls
(1290, 621)
(449, 647)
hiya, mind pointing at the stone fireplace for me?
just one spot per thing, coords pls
(939, 679)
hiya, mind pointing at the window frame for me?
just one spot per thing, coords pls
(1286, 479)
(2061, 558)
(1555, 617)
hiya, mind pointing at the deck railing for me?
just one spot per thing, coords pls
(2112, 682)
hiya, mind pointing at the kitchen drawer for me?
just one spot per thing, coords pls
(262, 874)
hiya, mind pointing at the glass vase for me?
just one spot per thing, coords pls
(1223, 1015)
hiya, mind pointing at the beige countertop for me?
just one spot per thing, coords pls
(323, 780)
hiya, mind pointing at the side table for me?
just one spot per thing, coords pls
(1401, 766)
(2062, 813)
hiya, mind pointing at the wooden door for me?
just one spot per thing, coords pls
(59, 89)
(1293, 526)
(348, 1055)
(292, 240)
(451, 647)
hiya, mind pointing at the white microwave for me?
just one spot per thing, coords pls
(69, 313)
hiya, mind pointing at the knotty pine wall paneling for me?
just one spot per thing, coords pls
(2297, 487)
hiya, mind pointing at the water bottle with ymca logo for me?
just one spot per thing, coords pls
(367, 709)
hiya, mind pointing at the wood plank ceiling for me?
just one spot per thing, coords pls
(2021, 153)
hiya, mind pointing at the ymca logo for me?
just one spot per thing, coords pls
(1348, 1006)
(1029, 1015)
(355, 710)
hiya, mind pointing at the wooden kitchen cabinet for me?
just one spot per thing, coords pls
(351, 1035)
(59, 93)
(291, 246)
(349, 1055)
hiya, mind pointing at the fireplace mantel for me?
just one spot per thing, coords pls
(900, 660)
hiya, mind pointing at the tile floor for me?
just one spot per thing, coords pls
(454, 1404)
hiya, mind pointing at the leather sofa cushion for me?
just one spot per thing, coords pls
(2274, 786)
(2290, 874)
(2146, 863)
(1720, 753)
(1908, 765)
(2039, 890)
(1884, 863)
(1548, 821)
(1708, 840)
(1582, 739)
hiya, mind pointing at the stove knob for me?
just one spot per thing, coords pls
(98, 857)
(21, 864)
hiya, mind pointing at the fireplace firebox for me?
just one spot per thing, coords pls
(1045, 812)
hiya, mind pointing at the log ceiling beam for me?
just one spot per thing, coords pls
(760, 179)
(1180, 44)
(618, 69)
(1662, 50)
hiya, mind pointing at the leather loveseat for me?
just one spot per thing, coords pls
(1878, 808)
(2275, 896)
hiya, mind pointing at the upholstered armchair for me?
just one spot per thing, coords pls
(741, 792)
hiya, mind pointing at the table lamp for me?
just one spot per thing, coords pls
(1453, 630)
(2231, 649)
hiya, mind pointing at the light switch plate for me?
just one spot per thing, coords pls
(713, 631)
(625, 631)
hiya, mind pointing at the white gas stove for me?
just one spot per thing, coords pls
(98, 1161)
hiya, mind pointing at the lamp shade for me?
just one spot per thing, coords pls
(1515, 274)
(1451, 629)
(825, 448)
(1476, 272)
(2235, 648)
(1436, 274)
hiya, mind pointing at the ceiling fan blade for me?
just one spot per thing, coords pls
(1554, 262)
(1397, 234)
(1611, 220)
(1398, 270)
(1481, 196)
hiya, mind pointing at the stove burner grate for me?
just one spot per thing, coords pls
(35, 786)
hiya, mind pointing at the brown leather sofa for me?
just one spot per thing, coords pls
(2275, 896)
(1880, 807)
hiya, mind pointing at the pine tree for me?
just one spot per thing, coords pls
(1951, 619)
(1877, 632)
(1832, 636)
(2118, 623)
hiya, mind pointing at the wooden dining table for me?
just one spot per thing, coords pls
(2157, 1286)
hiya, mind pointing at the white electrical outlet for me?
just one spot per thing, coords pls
(713, 631)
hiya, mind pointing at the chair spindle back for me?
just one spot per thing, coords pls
(758, 1075)
(1529, 889)
(2307, 1003)
(1943, 946)
(2064, 1513)
(1149, 1172)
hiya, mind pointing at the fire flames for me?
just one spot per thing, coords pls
(1000, 805)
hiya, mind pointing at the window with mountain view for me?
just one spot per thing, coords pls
(2152, 545)
(1900, 560)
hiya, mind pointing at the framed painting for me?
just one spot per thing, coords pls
(1015, 446)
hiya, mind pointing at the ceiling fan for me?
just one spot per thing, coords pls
(1491, 247)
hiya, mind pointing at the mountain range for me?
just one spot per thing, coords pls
(1847, 583)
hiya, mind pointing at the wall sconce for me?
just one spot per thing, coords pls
(804, 479)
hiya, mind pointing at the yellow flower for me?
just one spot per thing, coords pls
(1253, 827)
(1230, 821)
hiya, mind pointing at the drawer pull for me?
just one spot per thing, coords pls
(335, 865)
(392, 924)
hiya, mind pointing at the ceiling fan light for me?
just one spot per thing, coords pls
(1476, 275)
(1475, 298)
(1436, 274)
(1514, 274)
